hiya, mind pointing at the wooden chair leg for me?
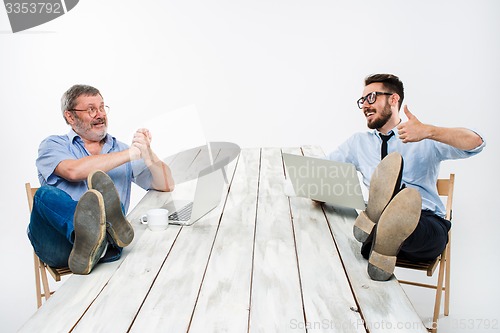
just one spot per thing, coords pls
(447, 289)
(38, 288)
(45, 281)
(439, 292)
(41, 272)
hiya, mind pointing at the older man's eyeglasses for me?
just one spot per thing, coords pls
(371, 98)
(93, 110)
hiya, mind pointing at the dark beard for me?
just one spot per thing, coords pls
(382, 120)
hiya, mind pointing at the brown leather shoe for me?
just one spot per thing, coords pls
(90, 233)
(118, 227)
(397, 222)
(384, 184)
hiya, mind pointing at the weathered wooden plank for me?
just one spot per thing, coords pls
(328, 300)
(224, 298)
(383, 305)
(172, 298)
(276, 299)
(124, 294)
(66, 306)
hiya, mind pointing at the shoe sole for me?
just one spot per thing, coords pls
(384, 184)
(396, 224)
(118, 226)
(90, 233)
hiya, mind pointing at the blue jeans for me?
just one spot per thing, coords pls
(51, 230)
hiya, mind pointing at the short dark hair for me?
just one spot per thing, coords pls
(390, 82)
(68, 99)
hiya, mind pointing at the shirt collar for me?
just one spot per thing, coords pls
(72, 135)
(395, 130)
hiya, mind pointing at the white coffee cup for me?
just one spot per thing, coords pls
(156, 219)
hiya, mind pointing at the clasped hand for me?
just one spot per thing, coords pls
(141, 145)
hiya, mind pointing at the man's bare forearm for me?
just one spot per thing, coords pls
(162, 175)
(461, 138)
(78, 169)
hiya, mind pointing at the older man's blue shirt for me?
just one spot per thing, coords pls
(57, 148)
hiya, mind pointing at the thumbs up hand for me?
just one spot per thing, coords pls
(412, 130)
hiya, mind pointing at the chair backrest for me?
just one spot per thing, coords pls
(30, 192)
(445, 187)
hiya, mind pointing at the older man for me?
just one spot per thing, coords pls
(85, 176)
(404, 216)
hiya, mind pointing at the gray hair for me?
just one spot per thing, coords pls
(68, 99)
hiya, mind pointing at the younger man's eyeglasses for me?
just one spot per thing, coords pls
(371, 98)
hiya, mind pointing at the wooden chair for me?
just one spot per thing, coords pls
(445, 189)
(41, 268)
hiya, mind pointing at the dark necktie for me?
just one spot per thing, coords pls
(383, 149)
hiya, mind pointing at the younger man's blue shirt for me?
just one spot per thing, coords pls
(57, 148)
(421, 162)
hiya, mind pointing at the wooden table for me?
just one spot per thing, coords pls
(260, 262)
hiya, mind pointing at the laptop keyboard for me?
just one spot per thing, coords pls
(183, 214)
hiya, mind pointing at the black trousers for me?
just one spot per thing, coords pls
(427, 241)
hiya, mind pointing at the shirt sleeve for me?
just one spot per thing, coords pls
(447, 152)
(51, 152)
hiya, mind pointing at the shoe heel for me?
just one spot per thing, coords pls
(118, 226)
(381, 267)
(90, 233)
(363, 227)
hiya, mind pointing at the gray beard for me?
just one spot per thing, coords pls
(85, 131)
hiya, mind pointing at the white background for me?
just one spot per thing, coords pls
(260, 73)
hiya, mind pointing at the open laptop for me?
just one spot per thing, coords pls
(323, 180)
(207, 196)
